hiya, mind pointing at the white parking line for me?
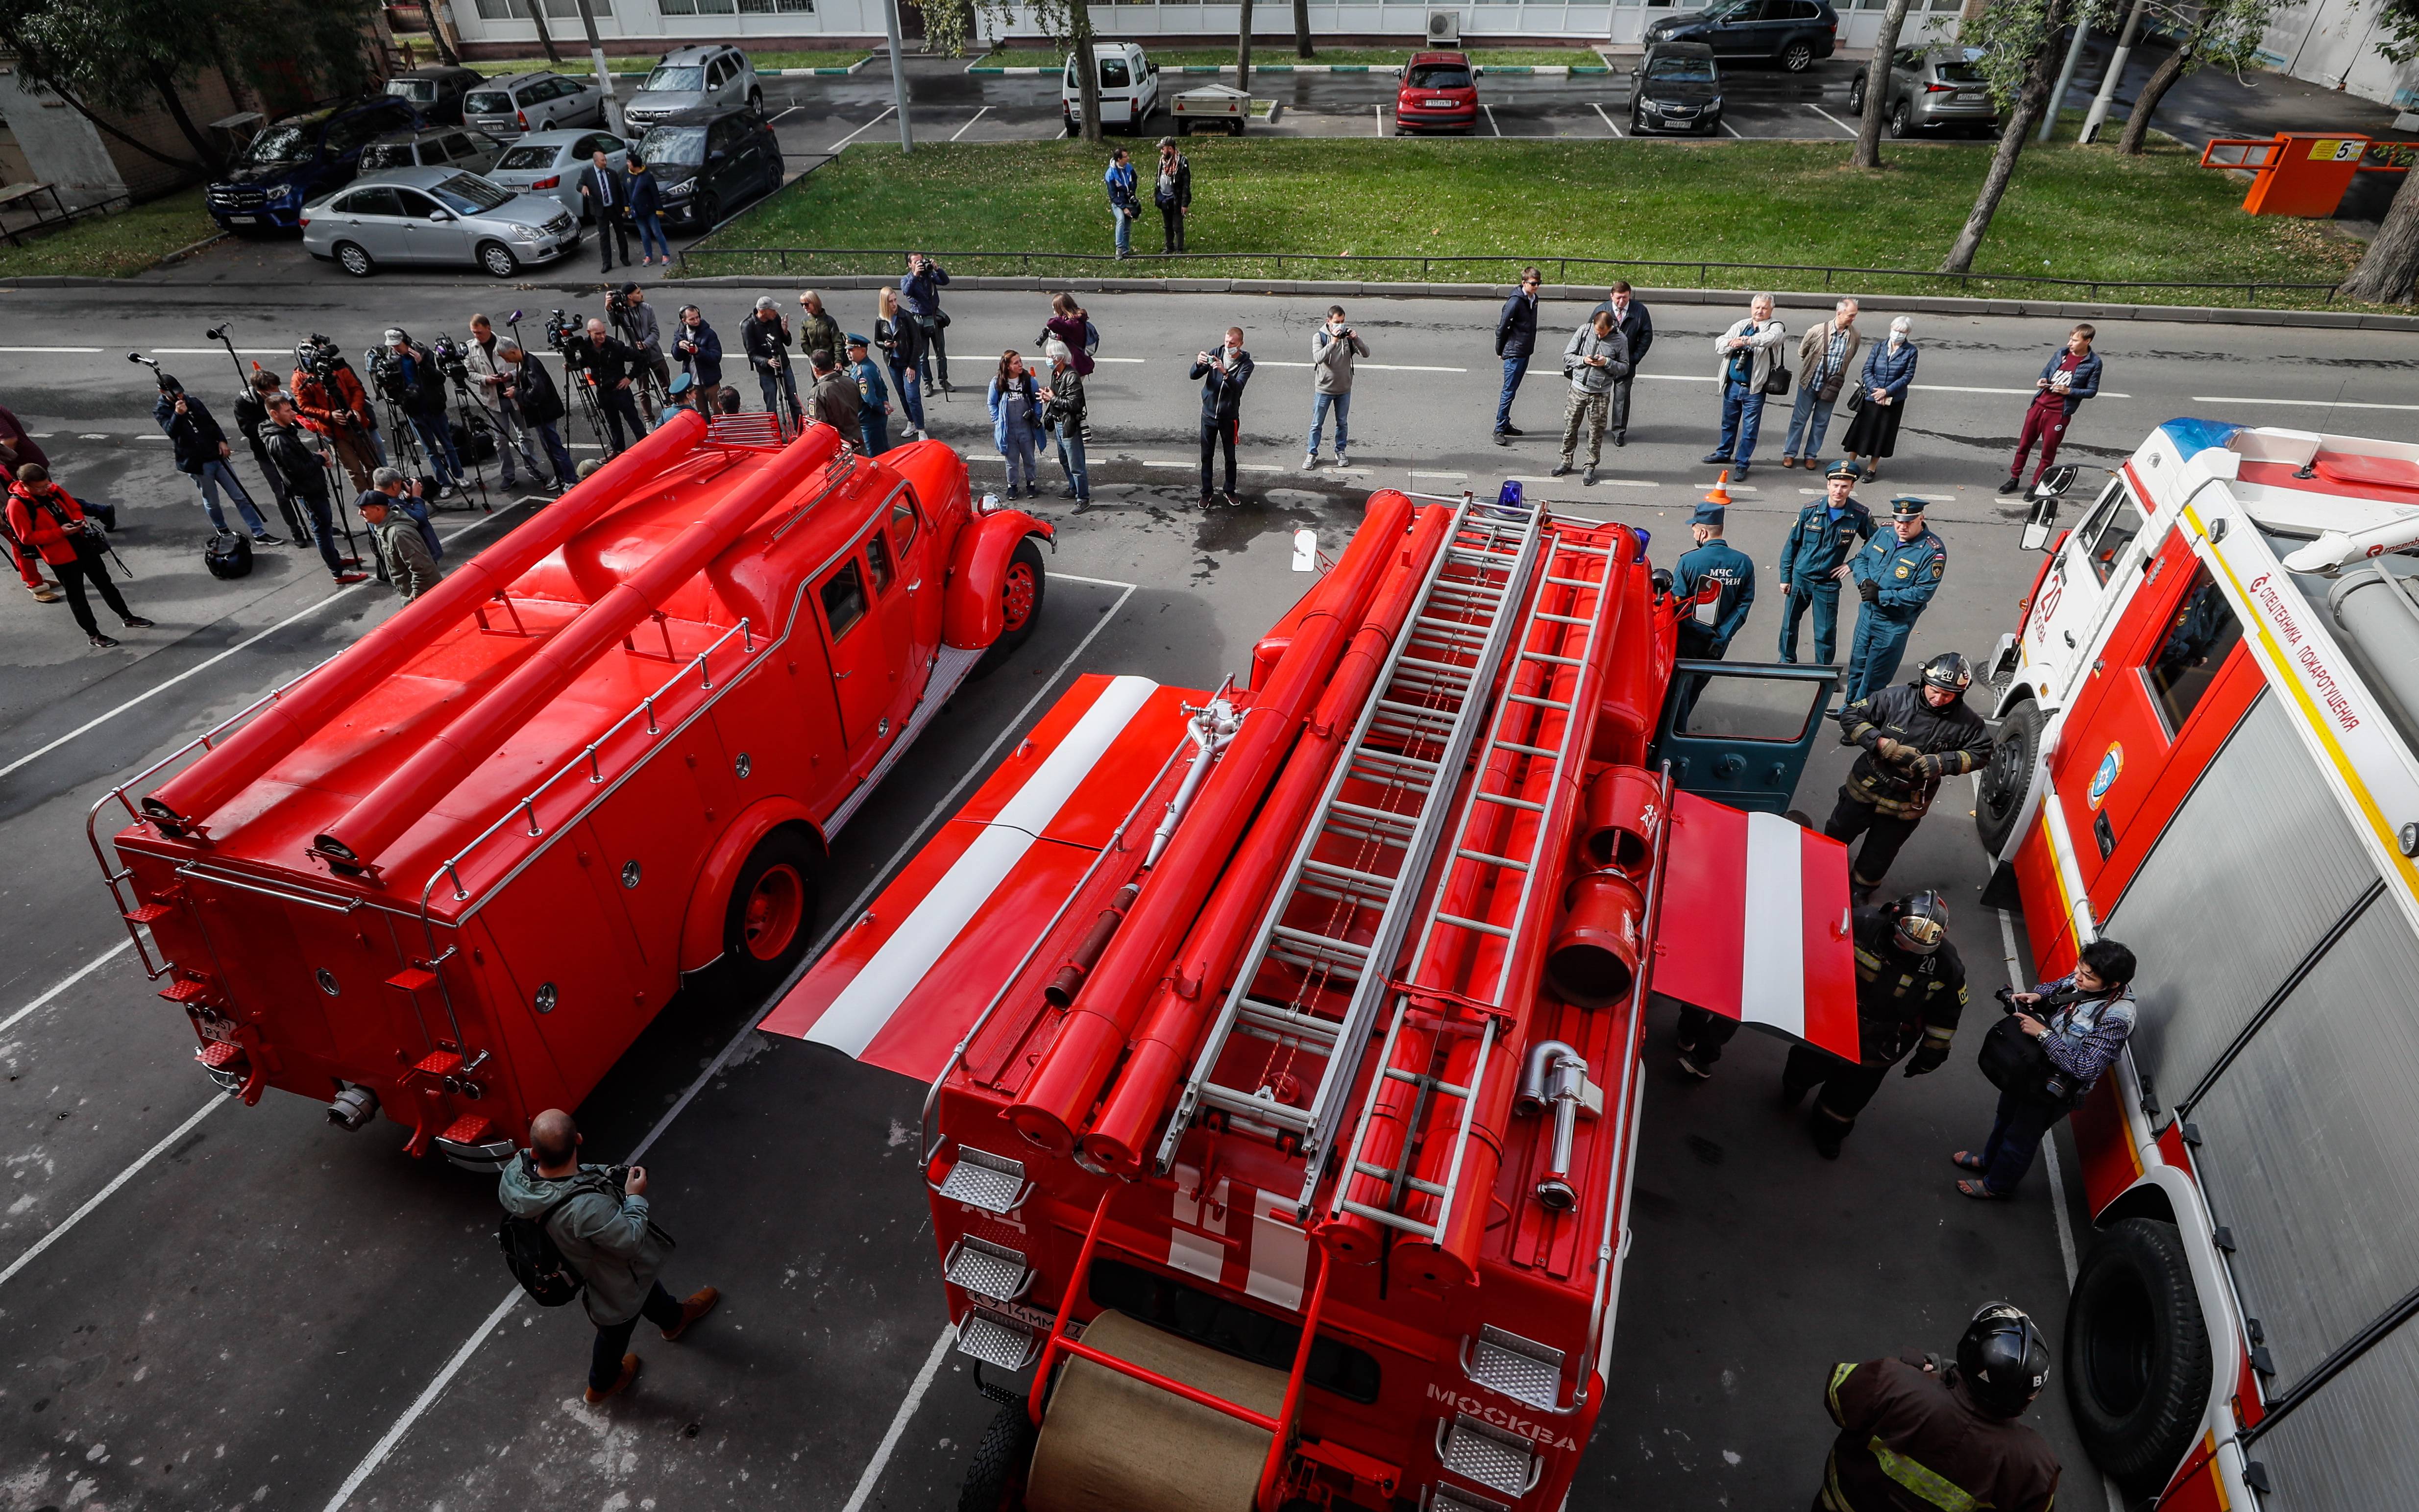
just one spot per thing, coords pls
(1381, 131)
(1833, 120)
(1490, 119)
(970, 121)
(862, 129)
(301, 615)
(37, 351)
(217, 1099)
(915, 1398)
(792, 111)
(1607, 121)
(1733, 130)
(2307, 404)
(68, 981)
(436, 1388)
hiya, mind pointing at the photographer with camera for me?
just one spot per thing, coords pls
(608, 365)
(49, 520)
(766, 337)
(598, 1217)
(408, 377)
(701, 356)
(627, 306)
(491, 382)
(920, 292)
(202, 455)
(291, 450)
(329, 395)
(2045, 1056)
(532, 392)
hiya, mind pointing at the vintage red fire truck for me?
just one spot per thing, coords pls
(452, 872)
(1284, 1037)
(2209, 751)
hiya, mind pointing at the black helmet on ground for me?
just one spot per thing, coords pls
(1950, 672)
(1922, 919)
(2003, 1360)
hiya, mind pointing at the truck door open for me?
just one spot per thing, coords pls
(2066, 615)
(1739, 733)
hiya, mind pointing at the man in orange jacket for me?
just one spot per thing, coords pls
(48, 518)
(330, 396)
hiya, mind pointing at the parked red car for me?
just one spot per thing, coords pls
(1440, 89)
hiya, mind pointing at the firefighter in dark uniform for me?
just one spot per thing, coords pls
(1918, 1433)
(1896, 575)
(1706, 631)
(1914, 735)
(1910, 988)
(1815, 558)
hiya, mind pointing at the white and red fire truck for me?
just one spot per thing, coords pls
(1283, 1035)
(452, 872)
(2210, 752)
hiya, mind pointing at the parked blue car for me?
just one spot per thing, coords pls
(295, 161)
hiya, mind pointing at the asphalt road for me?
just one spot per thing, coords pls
(208, 1305)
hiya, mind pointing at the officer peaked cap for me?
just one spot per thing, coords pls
(1905, 507)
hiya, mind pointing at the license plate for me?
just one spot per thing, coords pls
(245, 220)
(1969, 97)
(217, 1030)
(1438, 104)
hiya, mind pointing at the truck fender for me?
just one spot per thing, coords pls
(701, 936)
(970, 612)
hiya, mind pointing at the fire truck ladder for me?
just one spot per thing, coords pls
(1568, 564)
(1406, 753)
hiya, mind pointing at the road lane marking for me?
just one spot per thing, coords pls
(1733, 130)
(299, 615)
(1956, 388)
(2308, 403)
(436, 1388)
(70, 979)
(1833, 120)
(869, 126)
(37, 351)
(1381, 131)
(217, 1100)
(1607, 121)
(1490, 119)
(898, 1420)
(792, 111)
(1365, 367)
(970, 121)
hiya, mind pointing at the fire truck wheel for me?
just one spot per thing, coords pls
(995, 1480)
(2013, 755)
(766, 926)
(2137, 1355)
(1020, 607)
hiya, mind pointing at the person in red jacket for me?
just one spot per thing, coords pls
(17, 449)
(48, 518)
(330, 395)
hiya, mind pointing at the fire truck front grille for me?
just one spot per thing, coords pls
(996, 1340)
(994, 1183)
(1493, 1459)
(1442, 1500)
(988, 1270)
(1522, 1370)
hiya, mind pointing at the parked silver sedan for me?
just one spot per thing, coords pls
(436, 215)
(548, 163)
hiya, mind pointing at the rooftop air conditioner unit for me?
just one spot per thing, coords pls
(1445, 28)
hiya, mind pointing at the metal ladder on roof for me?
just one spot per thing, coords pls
(1565, 564)
(1406, 754)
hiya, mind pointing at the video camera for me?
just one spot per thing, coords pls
(450, 360)
(565, 329)
(385, 367)
(318, 356)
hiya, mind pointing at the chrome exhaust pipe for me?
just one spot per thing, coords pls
(352, 1107)
(1557, 1074)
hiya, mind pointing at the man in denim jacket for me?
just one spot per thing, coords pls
(2092, 1018)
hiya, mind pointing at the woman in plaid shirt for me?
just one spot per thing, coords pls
(2081, 1038)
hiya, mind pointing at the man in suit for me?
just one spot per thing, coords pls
(608, 194)
(1637, 329)
(1222, 374)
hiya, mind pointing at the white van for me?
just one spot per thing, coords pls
(1129, 88)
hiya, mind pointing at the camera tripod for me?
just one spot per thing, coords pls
(297, 526)
(645, 388)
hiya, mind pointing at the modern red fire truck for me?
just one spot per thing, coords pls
(1284, 1037)
(2211, 751)
(453, 871)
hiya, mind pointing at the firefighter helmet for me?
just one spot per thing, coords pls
(2003, 1359)
(1922, 919)
(1950, 672)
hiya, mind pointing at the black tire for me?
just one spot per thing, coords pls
(1999, 801)
(769, 919)
(1637, 126)
(353, 259)
(1798, 56)
(1857, 95)
(1902, 125)
(709, 212)
(1185, 129)
(498, 259)
(1022, 591)
(755, 99)
(995, 1478)
(2137, 1355)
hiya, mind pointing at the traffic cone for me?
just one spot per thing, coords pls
(1721, 494)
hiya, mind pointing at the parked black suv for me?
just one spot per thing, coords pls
(1790, 32)
(707, 160)
(301, 157)
(436, 92)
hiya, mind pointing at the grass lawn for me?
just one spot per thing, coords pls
(1278, 52)
(575, 61)
(114, 246)
(1477, 209)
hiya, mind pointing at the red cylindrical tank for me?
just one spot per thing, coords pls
(1624, 811)
(356, 840)
(1076, 1066)
(1594, 958)
(279, 729)
(1173, 1026)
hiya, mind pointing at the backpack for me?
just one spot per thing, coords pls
(228, 555)
(530, 1254)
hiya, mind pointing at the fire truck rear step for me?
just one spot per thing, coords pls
(1522, 1370)
(994, 1183)
(1492, 1457)
(1430, 697)
(987, 1270)
(996, 1340)
(1442, 1500)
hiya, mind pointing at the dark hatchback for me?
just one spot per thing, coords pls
(708, 161)
(296, 159)
(1677, 87)
(436, 92)
(1789, 34)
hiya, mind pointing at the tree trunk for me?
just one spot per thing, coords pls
(2389, 271)
(1301, 29)
(2030, 102)
(1244, 52)
(204, 148)
(1088, 70)
(2163, 77)
(545, 37)
(1868, 127)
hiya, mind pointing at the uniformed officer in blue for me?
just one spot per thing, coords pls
(1815, 558)
(1706, 631)
(1896, 575)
